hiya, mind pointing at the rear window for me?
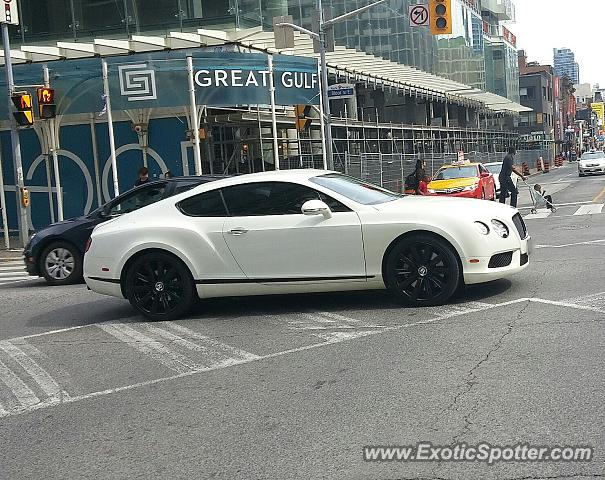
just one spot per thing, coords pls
(207, 204)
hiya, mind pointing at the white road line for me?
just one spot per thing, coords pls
(565, 245)
(231, 352)
(254, 358)
(13, 279)
(595, 208)
(541, 213)
(154, 349)
(357, 323)
(24, 395)
(35, 371)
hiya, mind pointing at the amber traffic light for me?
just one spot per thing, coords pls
(25, 110)
(440, 12)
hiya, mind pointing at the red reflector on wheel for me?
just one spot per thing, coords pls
(88, 244)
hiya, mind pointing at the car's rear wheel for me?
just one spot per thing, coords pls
(61, 264)
(159, 286)
(422, 270)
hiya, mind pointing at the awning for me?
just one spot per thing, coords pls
(344, 62)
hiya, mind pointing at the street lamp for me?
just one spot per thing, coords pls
(321, 37)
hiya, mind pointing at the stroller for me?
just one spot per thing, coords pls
(539, 198)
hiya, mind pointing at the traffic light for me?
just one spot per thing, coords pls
(46, 103)
(303, 122)
(440, 12)
(25, 110)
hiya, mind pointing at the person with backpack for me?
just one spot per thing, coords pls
(413, 180)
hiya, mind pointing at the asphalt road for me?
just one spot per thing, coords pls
(294, 387)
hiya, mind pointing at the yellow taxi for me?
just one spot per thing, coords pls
(463, 179)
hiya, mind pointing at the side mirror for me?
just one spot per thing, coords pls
(485, 175)
(316, 207)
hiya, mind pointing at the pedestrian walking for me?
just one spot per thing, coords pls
(143, 176)
(506, 182)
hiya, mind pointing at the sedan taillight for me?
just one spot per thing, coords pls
(88, 244)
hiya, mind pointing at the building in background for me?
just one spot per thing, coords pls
(536, 90)
(565, 64)
(501, 63)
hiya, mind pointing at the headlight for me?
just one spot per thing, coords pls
(500, 228)
(470, 188)
(482, 228)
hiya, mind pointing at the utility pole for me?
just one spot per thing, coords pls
(321, 37)
(12, 18)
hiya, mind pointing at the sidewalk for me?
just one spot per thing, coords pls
(14, 252)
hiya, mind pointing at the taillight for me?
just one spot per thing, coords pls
(88, 244)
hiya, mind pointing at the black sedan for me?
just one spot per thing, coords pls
(56, 251)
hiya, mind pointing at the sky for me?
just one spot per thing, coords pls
(545, 24)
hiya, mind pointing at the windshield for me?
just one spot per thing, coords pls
(356, 190)
(593, 156)
(495, 168)
(456, 172)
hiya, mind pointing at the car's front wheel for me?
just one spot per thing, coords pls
(61, 264)
(159, 286)
(422, 270)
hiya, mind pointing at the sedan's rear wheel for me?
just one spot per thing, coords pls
(422, 270)
(61, 264)
(159, 286)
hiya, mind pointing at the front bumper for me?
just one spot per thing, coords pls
(31, 265)
(468, 194)
(591, 170)
(481, 272)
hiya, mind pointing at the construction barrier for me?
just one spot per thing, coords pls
(546, 167)
(539, 165)
(525, 168)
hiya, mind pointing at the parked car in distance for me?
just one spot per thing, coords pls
(463, 179)
(591, 163)
(56, 251)
(495, 168)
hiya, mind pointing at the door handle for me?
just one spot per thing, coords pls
(238, 231)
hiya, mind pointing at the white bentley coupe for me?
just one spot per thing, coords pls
(299, 231)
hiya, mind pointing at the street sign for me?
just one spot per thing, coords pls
(461, 156)
(341, 90)
(419, 16)
(10, 13)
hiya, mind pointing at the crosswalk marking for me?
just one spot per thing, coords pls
(150, 347)
(228, 352)
(592, 209)
(327, 321)
(13, 270)
(40, 376)
(24, 395)
(456, 309)
(161, 342)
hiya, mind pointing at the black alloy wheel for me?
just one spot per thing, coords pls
(160, 286)
(422, 270)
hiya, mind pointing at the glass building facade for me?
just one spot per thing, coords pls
(383, 31)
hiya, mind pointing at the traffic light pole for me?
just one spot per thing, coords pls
(52, 125)
(321, 36)
(19, 180)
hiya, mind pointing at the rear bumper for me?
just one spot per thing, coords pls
(105, 286)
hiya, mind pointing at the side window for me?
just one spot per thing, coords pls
(207, 204)
(272, 198)
(141, 198)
